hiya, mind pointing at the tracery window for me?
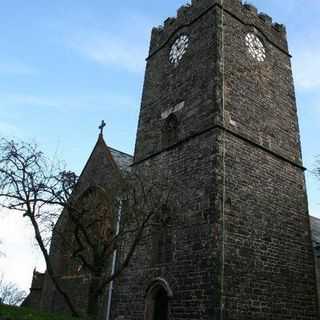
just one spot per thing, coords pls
(255, 47)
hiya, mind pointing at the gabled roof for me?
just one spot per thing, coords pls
(104, 158)
(315, 230)
(105, 165)
(123, 160)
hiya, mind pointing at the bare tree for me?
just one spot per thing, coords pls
(95, 224)
(10, 294)
(25, 177)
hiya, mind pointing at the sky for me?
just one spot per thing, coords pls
(67, 64)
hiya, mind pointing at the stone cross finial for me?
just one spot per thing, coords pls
(101, 127)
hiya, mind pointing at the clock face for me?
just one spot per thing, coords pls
(178, 49)
(255, 47)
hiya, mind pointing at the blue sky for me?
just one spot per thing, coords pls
(66, 65)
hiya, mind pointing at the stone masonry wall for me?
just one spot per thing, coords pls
(191, 162)
(259, 96)
(269, 266)
(193, 268)
(192, 82)
(317, 259)
(265, 226)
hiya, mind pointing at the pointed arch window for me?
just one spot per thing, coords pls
(160, 301)
(157, 300)
(161, 237)
(170, 130)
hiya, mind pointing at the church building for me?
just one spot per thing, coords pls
(218, 118)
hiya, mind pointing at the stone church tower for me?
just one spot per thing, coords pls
(218, 119)
(218, 124)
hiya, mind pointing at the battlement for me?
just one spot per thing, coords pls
(264, 17)
(243, 11)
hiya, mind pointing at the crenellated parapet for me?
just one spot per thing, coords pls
(265, 18)
(243, 11)
(260, 21)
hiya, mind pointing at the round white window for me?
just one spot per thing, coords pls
(178, 49)
(255, 47)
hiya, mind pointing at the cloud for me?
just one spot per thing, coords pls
(122, 43)
(306, 66)
(306, 52)
(315, 211)
(18, 246)
(8, 129)
(16, 68)
(108, 50)
(94, 100)
(26, 100)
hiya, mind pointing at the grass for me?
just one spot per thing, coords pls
(17, 313)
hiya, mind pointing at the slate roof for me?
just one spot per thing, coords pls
(123, 160)
(315, 230)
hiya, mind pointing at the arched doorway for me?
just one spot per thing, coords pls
(157, 300)
(160, 301)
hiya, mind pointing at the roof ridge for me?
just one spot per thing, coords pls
(120, 151)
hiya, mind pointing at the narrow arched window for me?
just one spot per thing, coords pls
(157, 301)
(160, 310)
(170, 130)
(161, 237)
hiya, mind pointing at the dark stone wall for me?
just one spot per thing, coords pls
(34, 297)
(269, 266)
(262, 248)
(250, 16)
(193, 81)
(192, 264)
(259, 96)
(317, 259)
(191, 165)
(76, 286)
